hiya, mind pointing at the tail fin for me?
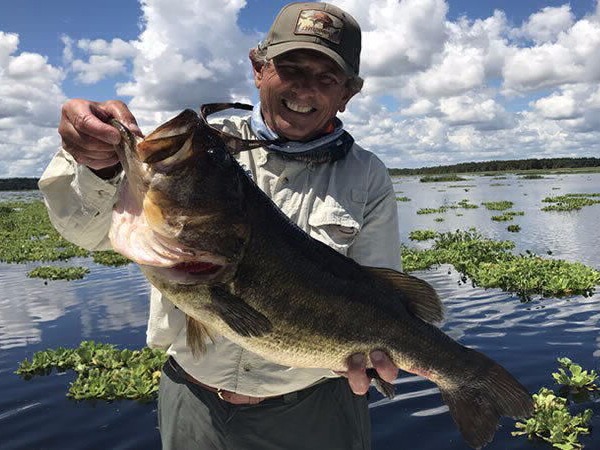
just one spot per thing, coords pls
(477, 405)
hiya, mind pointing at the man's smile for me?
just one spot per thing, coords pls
(297, 107)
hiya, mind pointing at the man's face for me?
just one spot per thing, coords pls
(300, 92)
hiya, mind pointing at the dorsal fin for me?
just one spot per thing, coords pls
(417, 295)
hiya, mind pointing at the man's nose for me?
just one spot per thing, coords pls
(305, 82)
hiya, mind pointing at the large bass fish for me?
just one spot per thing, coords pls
(211, 241)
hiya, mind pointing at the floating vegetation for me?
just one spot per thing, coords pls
(552, 421)
(441, 178)
(58, 273)
(498, 206)
(577, 380)
(439, 219)
(570, 202)
(532, 176)
(513, 228)
(402, 199)
(498, 184)
(422, 235)
(27, 235)
(462, 186)
(465, 205)
(507, 215)
(103, 371)
(441, 210)
(110, 258)
(499, 178)
(491, 264)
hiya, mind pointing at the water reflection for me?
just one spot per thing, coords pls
(109, 299)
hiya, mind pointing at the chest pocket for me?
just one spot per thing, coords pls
(337, 222)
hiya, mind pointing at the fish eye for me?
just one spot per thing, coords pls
(219, 156)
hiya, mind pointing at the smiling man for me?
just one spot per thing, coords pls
(306, 71)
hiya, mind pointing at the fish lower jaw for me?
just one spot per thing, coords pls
(189, 272)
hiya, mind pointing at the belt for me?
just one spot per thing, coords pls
(227, 396)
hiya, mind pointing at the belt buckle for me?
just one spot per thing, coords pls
(220, 394)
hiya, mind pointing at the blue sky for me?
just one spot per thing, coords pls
(446, 81)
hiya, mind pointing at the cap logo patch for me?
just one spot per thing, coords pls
(319, 23)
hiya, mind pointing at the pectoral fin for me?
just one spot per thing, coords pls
(237, 314)
(417, 295)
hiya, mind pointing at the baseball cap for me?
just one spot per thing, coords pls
(316, 26)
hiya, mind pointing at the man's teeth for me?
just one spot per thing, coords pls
(297, 108)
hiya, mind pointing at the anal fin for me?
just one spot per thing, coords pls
(196, 336)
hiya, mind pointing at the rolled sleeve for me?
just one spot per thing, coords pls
(79, 203)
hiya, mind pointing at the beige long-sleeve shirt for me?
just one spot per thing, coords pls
(349, 205)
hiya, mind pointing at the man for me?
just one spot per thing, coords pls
(306, 71)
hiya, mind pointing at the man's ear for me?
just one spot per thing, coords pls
(346, 98)
(256, 68)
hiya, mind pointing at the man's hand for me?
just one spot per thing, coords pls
(86, 134)
(357, 376)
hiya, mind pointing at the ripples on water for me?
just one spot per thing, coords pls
(110, 305)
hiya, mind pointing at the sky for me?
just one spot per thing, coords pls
(445, 81)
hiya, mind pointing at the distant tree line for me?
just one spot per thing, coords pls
(505, 165)
(27, 184)
(18, 184)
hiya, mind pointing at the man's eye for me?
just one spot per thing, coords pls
(288, 70)
(328, 80)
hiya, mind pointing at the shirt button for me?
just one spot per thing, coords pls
(247, 367)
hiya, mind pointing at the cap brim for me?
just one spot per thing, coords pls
(280, 49)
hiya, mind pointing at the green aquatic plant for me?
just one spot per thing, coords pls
(577, 380)
(27, 235)
(110, 258)
(502, 218)
(553, 423)
(570, 202)
(464, 203)
(532, 176)
(440, 210)
(402, 199)
(58, 273)
(441, 178)
(491, 264)
(103, 371)
(513, 228)
(498, 206)
(422, 235)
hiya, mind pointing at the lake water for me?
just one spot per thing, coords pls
(110, 305)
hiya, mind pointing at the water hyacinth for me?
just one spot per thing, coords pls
(103, 371)
(491, 264)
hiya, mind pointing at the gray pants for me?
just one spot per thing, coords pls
(326, 416)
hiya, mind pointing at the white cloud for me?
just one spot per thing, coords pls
(104, 59)
(30, 98)
(545, 26)
(187, 55)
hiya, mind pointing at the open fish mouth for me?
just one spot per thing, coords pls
(189, 272)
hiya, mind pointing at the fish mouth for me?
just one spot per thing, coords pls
(188, 272)
(297, 107)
